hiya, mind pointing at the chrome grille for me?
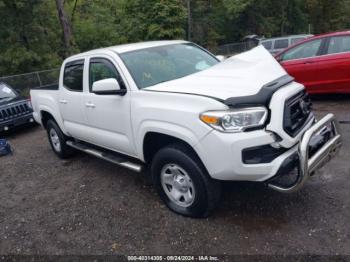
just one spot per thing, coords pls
(297, 112)
(13, 111)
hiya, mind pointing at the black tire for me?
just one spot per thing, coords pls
(207, 191)
(63, 151)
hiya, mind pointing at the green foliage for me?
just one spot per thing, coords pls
(267, 17)
(152, 19)
(329, 15)
(28, 36)
(31, 34)
(94, 25)
(208, 22)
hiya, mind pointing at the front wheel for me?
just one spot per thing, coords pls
(58, 140)
(183, 183)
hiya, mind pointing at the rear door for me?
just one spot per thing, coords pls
(334, 65)
(71, 100)
(301, 62)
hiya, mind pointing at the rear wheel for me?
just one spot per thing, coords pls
(183, 183)
(58, 140)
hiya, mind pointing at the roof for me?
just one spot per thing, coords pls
(130, 47)
(137, 46)
(338, 33)
(283, 37)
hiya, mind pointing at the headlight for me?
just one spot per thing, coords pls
(235, 120)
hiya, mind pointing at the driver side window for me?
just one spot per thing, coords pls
(309, 49)
(101, 68)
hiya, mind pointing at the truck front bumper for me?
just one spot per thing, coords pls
(221, 153)
(307, 161)
(16, 121)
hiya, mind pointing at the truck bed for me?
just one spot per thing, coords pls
(46, 87)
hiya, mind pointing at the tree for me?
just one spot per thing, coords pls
(96, 24)
(208, 22)
(66, 27)
(267, 17)
(38, 34)
(153, 19)
(28, 36)
(328, 15)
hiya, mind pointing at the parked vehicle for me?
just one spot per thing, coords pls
(15, 110)
(172, 107)
(278, 44)
(321, 63)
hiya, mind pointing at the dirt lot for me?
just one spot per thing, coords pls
(87, 206)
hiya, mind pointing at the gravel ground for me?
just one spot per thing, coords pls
(87, 206)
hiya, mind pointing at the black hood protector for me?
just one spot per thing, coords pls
(263, 97)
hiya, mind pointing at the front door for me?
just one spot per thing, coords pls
(301, 62)
(108, 116)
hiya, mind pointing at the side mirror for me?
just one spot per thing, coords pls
(220, 58)
(109, 86)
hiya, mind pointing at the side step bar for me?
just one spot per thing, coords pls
(114, 158)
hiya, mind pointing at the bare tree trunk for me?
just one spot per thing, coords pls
(284, 17)
(189, 21)
(66, 27)
(73, 11)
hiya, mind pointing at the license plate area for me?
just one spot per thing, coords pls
(322, 146)
(319, 139)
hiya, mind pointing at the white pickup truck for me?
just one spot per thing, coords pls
(175, 109)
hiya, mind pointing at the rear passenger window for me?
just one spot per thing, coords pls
(282, 43)
(73, 75)
(339, 44)
(267, 44)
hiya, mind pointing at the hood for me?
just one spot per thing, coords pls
(241, 75)
(5, 102)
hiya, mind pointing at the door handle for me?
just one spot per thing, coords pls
(63, 101)
(308, 62)
(90, 105)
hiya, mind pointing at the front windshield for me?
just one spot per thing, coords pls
(154, 65)
(6, 92)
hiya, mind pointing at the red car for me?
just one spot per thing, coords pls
(321, 63)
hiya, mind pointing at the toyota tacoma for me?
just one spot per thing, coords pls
(187, 118)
